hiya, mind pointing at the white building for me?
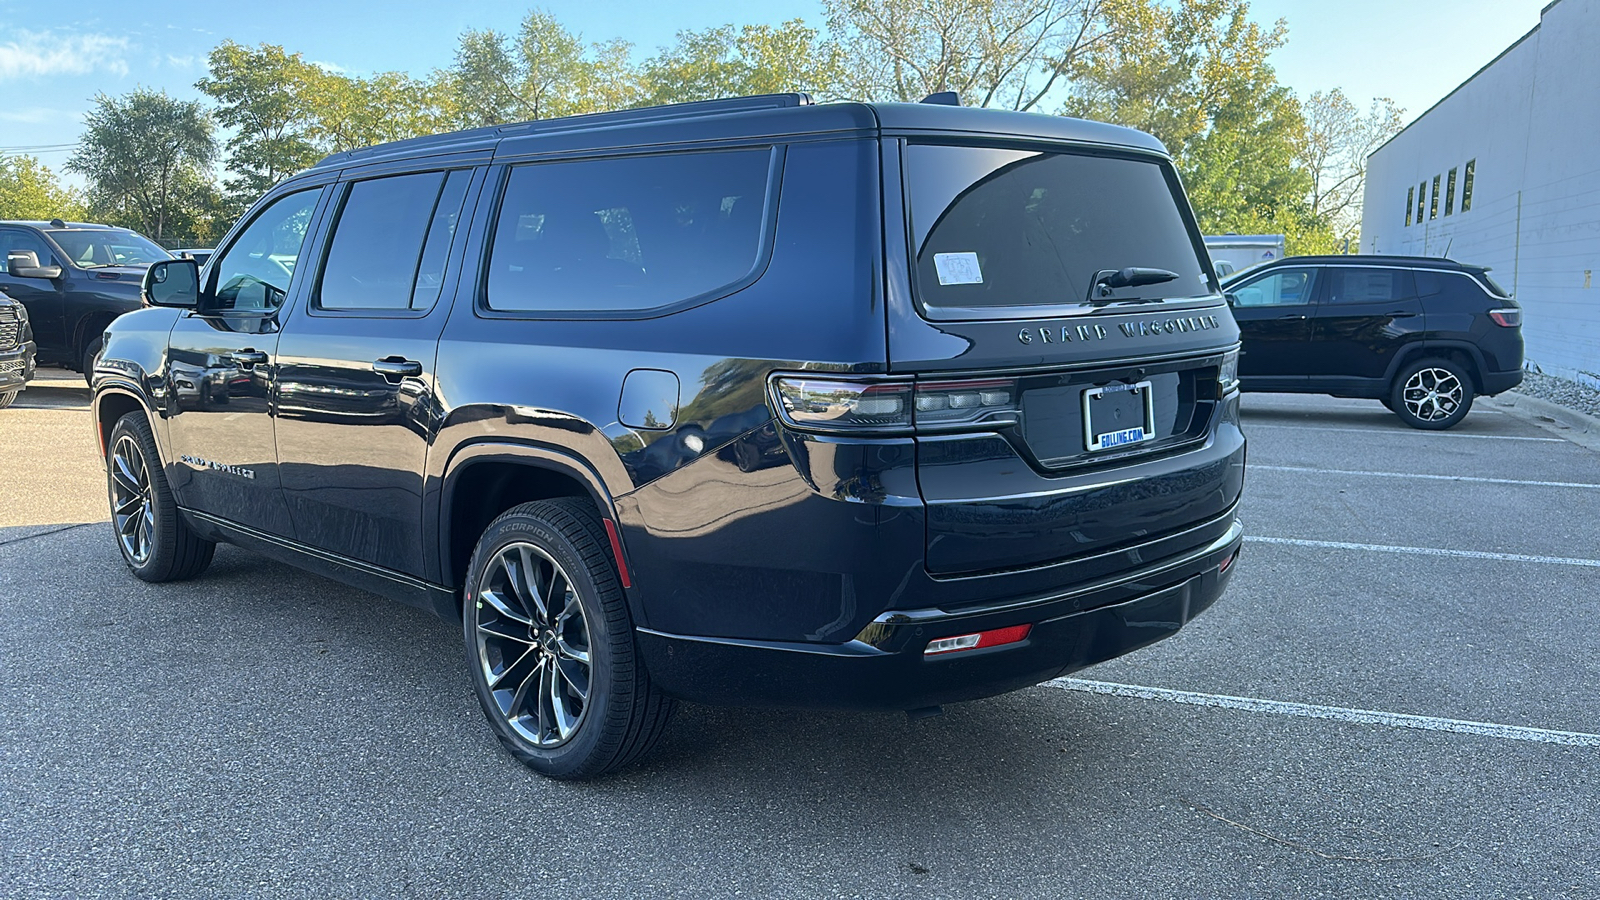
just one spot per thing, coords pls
(1505, 172)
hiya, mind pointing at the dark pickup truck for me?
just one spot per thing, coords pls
(74, 278)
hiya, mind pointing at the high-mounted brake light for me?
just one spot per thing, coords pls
(1506, 318)
(1013, 634)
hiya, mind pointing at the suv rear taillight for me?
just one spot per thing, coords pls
(1506, 318)
(844, 405)
(855, 406)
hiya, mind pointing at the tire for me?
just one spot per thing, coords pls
(561, 685)
(1432, 394)
(154, 540)
(6, 398)
(91, 353)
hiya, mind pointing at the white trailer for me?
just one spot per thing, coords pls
(1233, 252)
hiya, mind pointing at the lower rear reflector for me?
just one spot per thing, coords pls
(993, 638)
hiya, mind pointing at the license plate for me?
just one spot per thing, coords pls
(1118, 415)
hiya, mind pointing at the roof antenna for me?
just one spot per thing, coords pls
(943, 98)
(1447, 246)
(57, 223)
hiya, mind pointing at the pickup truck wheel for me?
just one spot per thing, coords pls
(155, 542)
(6, 398)
(1433, 394)
(550, 644)
(91, 353)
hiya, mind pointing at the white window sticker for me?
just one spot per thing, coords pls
(958, 268)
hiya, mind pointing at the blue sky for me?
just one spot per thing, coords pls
(51, 65)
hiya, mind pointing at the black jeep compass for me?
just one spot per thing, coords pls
(1423, 335)
(749, 401)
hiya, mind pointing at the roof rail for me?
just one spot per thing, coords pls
(692, 109)
(488, 135)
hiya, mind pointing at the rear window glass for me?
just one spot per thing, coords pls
(639, 233)
(1001, 228)
(1356, 285)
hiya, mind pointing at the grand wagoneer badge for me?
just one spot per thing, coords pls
(1068, 333)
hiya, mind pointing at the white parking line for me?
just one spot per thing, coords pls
(1250, 426)
(1332, 713)
(1563, 484)
(1428, 551)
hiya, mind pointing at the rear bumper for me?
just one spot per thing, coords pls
(16, 367)
(884, 666)
(1499, 382)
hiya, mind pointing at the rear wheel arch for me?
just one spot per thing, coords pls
(484, 480)
(1463, 354)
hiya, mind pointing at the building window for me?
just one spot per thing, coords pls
(1433, 207)
(1450, 193)
(1466, 186)
(1422, 201)
(1411, 197)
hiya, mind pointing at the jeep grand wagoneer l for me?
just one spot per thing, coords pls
(750, 401)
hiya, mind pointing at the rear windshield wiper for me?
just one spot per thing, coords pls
(1107, 279)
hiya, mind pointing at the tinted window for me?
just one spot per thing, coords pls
(1450, 193)
(377, 243)
(12, 239)
(254, 273)
(1353, 285)
(627, 234)
(1455, 287)
(1466, 185)
(1284, 287)
(994, 228)
(1411, 195)
(108, 247)
(441, 232)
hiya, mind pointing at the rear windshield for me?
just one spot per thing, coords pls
(999, 228)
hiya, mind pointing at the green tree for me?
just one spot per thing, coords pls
(345, 113)
(29, 190)
(543, 72)
(1196, 75)
(1013, 54)
(264, 94)
(755, 59)
(138, 151)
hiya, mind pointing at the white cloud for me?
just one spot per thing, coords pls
(182, 62)
(33, 53)
(330, 68)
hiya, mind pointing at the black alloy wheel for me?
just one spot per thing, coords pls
(550, 643)
(1432, 394)
(155, 542)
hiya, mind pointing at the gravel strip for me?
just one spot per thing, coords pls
(1570, 394)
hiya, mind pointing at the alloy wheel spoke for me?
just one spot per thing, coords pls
(528, 688)
(527, 662)
(535, 593)
(565, 721)
(575, 675)
(501, 607)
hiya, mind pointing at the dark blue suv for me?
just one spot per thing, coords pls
(750, 401)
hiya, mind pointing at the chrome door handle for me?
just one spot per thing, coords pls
(248, 357)
(397, 367)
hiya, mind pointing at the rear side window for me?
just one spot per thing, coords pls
(994, 228)
(1360, 285)
(619, 235)
(390, 243)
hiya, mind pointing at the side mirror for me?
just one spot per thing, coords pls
(172, 282)
(1231, 297)
(25, 264)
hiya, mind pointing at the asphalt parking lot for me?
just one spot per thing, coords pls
(1397, 698)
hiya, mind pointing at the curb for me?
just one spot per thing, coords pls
(1575, 426)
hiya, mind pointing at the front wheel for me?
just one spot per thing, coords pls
(155, 542)
(1433, 394)
(91, 355)
(550, 643)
